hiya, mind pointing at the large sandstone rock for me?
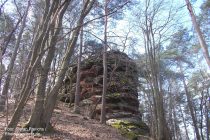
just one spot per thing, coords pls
(122, 105)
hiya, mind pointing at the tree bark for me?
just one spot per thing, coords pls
(77, 92)
(207, 114)
(201, 39)
(201, 115)
(103, 106)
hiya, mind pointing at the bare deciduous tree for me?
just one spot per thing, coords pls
(103, 106)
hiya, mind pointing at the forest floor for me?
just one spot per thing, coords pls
(67, 126)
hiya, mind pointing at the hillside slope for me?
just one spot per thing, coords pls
(67, 126)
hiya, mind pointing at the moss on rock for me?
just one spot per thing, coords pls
(129, 129)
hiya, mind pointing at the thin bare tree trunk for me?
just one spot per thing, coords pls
(201, 39)
(207, 114)
(171, 112)
(177, 129)
(190, 105)
(103, 106)
(11, 65)
(184, 121)
(77, 92)
(201, 115)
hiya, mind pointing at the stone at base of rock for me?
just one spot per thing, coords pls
(128, 128)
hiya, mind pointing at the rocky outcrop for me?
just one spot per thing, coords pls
(122, 105)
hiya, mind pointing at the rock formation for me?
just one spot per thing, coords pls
(122, 97)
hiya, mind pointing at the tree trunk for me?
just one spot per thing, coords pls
(28, 80)
(25, 92)
(11, 65)
(201, 115)
(77, 92)
(207, 114)
(36, 116)
(51, 99)
(163, 131)
(103, 106)
(18, 111)
(190, 105)
(177, 129)
(201, 39)
(185, 126)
